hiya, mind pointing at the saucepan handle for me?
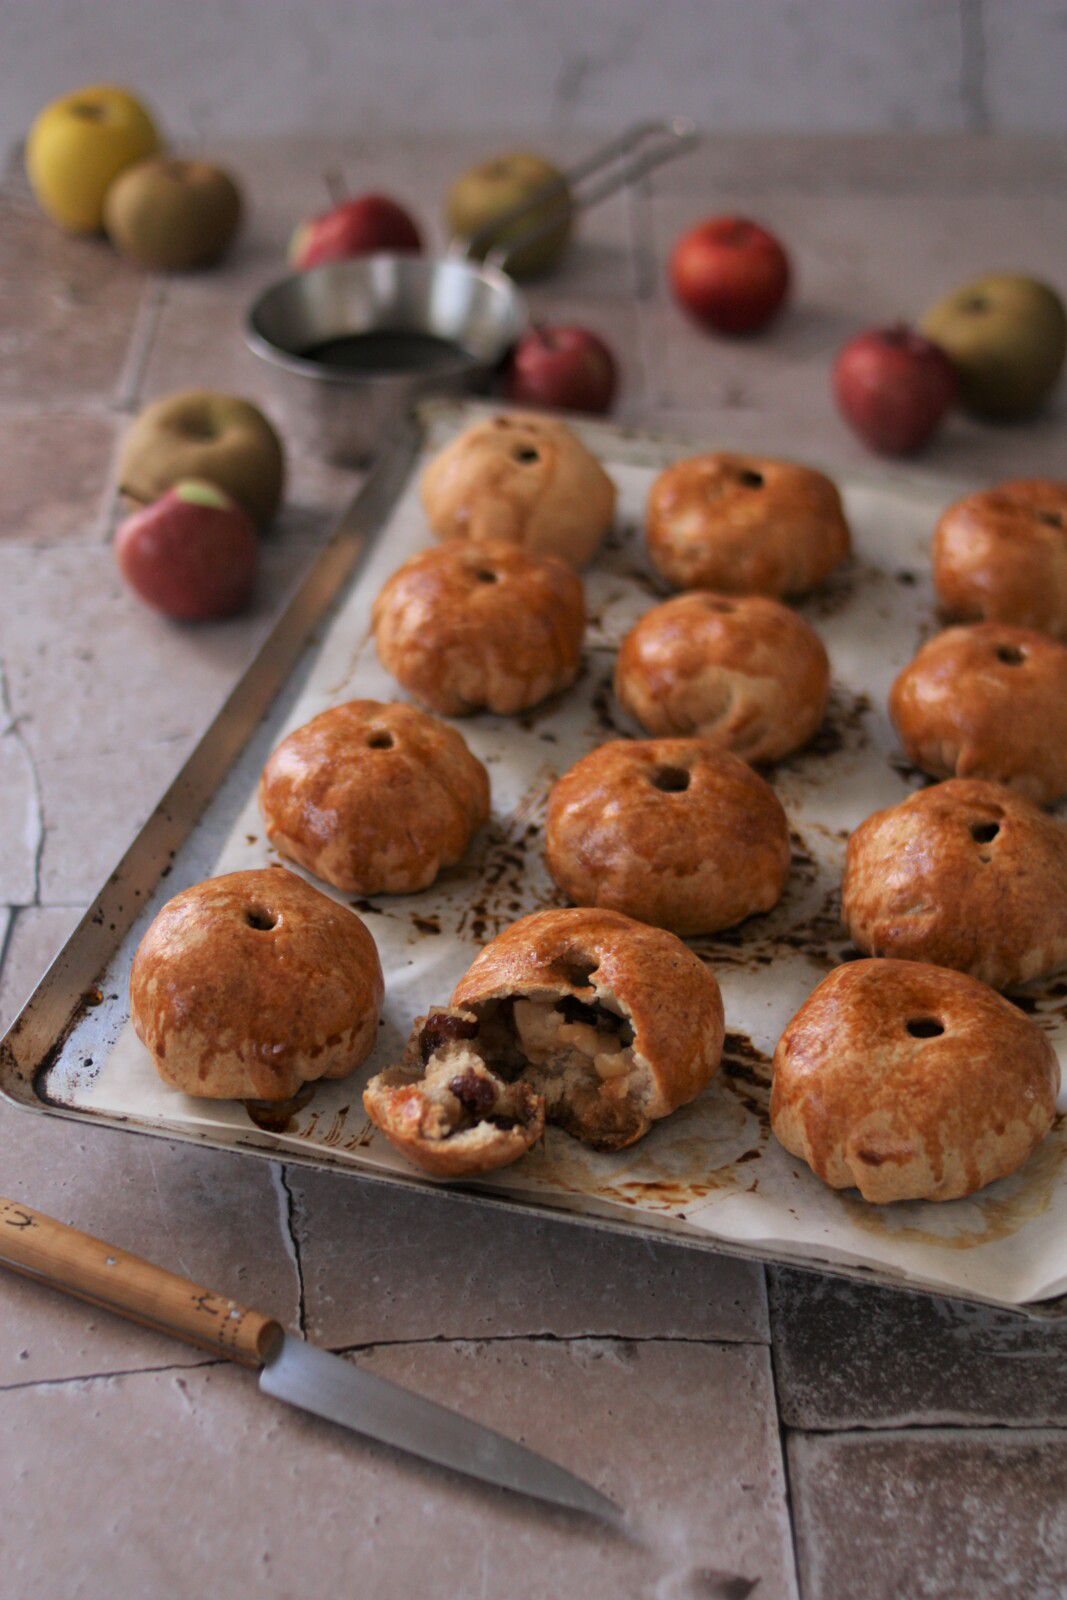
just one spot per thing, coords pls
(39, 1247)
(621, 161)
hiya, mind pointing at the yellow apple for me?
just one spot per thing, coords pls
(78, 144)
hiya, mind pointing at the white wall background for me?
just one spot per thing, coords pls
(250, 66)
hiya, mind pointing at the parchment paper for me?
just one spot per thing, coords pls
(713, 1165)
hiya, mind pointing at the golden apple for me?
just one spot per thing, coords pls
(172, 215)
(486, 192)
(1006, 335)
(79, 144)
(202, 433)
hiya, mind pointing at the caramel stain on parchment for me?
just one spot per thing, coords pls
(276, 1116)
(1002, 1209)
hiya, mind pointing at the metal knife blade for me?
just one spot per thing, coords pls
(343, 1392)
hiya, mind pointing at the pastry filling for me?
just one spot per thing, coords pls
(495, 1063)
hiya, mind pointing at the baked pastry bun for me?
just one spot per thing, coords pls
(745, 673)
(250, 985)
(910, 1082)
(374, 797)
(965, 874)
(589, 1019)
(468, 627)
(671, 831)
(745, 524)
(524, 478)
(1001, 555)
(987, 701)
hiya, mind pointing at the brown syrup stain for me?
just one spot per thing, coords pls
(844, 727)
(276, 1116)
(362, 1139)
(838, 590)
(427, 925)
(501, 875)
(1003, 1209)
(603, 707)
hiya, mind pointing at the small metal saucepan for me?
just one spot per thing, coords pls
(354, 344)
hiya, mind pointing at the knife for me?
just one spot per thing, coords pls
(290, 1369)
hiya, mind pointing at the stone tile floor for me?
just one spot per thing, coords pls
(817, 1439)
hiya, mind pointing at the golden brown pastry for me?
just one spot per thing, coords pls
(744, 524)
(373, 796)
(583, 1017)
(671, 831)
(965, 874)
(987, 701)
(745, 673)
(249, 985)
(469, 627)
(1001, 555)
(911, 1082)
(524, 478)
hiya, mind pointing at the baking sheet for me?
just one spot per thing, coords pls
(712, 1170)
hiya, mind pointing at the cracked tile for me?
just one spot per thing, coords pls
(384, 1263)
(38, 933)
(209, 1215)
(931, 1514)
(853, 1355)
(685, 1440)
(55, 479)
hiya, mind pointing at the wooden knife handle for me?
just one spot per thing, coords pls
(51, 1252)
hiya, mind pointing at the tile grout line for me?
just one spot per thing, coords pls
(369, 1347)
(287, 1217)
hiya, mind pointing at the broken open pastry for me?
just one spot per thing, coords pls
(584, 1018)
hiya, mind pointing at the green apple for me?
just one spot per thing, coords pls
(1007, 337)
(488, 191)
(79, 144)
(172, 215)
(200, 433)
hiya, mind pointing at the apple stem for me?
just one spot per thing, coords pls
(336, 187)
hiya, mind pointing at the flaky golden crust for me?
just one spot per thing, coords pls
(930, 1113)
(467, 627)
(987, 701)
(671, 831)
(374, 797)
(666, 993)
(249, 985)
(746, 673)
(1001, 555)
(745, 524)
(524, 478)
(965, 874)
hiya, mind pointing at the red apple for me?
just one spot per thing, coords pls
(893, 386)
(566, 367)
(192, 554)
(354, 228)
(730, 274)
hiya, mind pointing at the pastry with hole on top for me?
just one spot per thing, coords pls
(987, 701)
(746, 673)
(252, 984)
(671, 831)
(473, 627)
(374, 797)
(965, 874)
(1000, 555)
(525, 478)
(743, 524)
(911, 1082)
